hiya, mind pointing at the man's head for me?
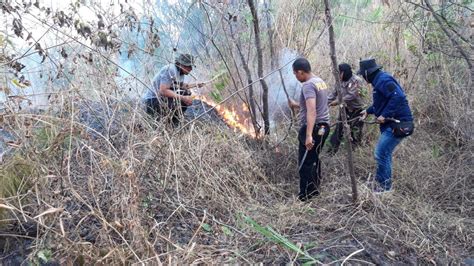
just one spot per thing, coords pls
(185, 63)
(302, 69)
(368, 68)
(345, 71)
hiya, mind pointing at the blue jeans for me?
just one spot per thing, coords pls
(383, 156)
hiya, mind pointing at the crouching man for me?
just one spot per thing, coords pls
(169, 96)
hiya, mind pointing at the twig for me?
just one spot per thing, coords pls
(31, 47)
(92, 49)
(149, 162)
(450, 37)
(20, 236)
(352, 254)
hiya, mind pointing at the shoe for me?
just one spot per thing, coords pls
(371, 184)
(376, 187)
(305, 198)
(331, 152)
(378, 190)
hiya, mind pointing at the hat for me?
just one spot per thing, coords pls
(368, 66)
(185, 60)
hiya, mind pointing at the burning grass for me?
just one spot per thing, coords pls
(236, 119)
(211, 196)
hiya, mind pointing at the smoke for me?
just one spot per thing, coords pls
(278, 101)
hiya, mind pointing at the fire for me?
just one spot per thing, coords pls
(231, 117)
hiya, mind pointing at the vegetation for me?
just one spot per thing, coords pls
(87, 177)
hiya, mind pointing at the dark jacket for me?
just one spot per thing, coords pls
(389, 99)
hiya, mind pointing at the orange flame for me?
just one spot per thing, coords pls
(231, 117)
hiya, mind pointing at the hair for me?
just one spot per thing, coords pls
(346, 71)
(302, 64)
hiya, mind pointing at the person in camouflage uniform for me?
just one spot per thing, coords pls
(351, 86)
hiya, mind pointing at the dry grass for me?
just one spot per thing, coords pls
(134, 192)
(91, 200)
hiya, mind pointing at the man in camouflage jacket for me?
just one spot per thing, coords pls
(351, 86)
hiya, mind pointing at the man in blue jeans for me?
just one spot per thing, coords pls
(389, 101)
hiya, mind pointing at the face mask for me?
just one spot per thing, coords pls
(370, 78)
(346, 75)
(364, 75)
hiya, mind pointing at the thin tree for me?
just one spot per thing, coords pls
(258, 45)
(453, 40)
(271, 34)
(253, 113)
(274, 61)
(342, 109)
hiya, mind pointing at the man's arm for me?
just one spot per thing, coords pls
(166, 81)
(293, 104)
(370, 110)
(332, 96)
(165, 90)
(310, 121)
(352, 92)
(188, 86)
(395, 97)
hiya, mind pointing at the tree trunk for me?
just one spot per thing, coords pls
(253, 113)
(258, 45)
(271, 34)
(342, 109)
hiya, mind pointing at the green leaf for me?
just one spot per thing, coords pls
(364, 92)
(277, 238)
(219, 85)
(216, 96)
(44, 255)
(226, 231)
(376, 14)
(206, 227)
(308, 263)
(310, 211)
(310, 245)
(436, 151)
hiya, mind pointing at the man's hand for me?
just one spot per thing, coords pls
(187, 100)
(190, 86)
(200, 84)
(293, 104)
(363, 115)
(334, 103)
(380, 120)
(309, 142)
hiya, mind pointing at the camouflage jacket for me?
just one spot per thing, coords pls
(351, 93)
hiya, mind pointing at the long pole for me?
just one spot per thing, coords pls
(342, 108)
